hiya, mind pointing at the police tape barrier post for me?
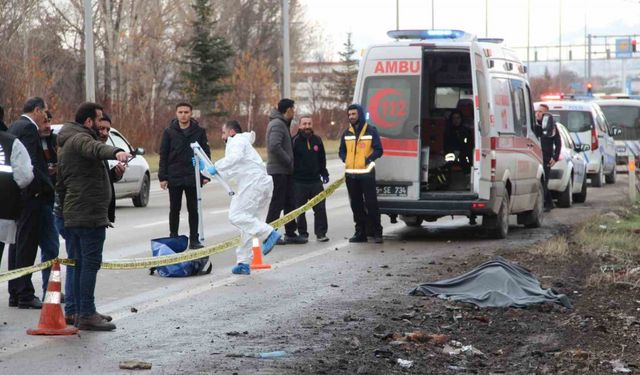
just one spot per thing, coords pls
(165, 260)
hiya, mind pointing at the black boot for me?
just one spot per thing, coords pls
(358, 237)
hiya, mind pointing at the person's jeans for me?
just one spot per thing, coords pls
(175, 205)
(85, 247)
(548, 199)
(49, 241)
(69, 303)
(282, 199)
(304, 192)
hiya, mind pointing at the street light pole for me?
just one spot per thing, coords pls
(89, 63)
(433, 11)
(397, 14)
(560, 46)
(286, 82)
(486, 18)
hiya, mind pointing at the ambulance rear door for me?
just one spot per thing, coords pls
(389, 90)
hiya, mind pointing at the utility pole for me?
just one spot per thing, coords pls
(486, 18)
(528, 35)
(286, 82)
(433, 14)
(560, 46)
(589, 56)
(397, 14)
(89, 63)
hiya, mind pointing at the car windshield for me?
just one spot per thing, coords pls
(627, 118)
(575, 121)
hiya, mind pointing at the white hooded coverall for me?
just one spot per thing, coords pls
(243, 164)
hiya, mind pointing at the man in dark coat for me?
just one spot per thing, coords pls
(37, 195)
(551, 145)
(280, 168)
(3, 128)
(177, 172)
(84, 183)
(309, 173)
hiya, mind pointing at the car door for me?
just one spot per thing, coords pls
(606, 138)
(129, 182)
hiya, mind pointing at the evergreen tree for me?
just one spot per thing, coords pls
(207, 60)
(345, 78)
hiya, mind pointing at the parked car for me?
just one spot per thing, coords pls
(136, 182)
(568, 177)
(587, 125)
(624, 114)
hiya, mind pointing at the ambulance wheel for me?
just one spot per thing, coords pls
(412, 221)
(564, 200)
(142, 199)
(533, 218)
(497, 226)
(582, 195)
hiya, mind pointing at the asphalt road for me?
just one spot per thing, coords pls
(182, 325)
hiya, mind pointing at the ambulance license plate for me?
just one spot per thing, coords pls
(391, 191)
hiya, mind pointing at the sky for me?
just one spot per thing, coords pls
(369, 20)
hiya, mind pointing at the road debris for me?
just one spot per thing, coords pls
(135, 365)
(620, 367)
(276, 354)
(404, 363)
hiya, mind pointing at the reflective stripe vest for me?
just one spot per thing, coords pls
(358, 150)
(12, 202)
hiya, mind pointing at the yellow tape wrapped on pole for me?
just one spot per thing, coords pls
(165, 260)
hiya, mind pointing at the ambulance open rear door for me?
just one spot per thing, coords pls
(391, 97)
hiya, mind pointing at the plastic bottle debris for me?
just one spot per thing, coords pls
(404, 363)
(276, 354)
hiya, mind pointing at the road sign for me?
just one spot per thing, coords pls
(623, 48)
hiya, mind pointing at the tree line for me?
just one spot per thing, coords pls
(222, 55)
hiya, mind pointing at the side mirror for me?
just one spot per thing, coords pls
(583, 148)
(138, 151)
(615, 131)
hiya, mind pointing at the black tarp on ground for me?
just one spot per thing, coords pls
(497, 283)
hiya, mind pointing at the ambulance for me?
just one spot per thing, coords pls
(487, 163)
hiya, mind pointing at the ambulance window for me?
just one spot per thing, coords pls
(484, 103)
(519, 106)
(392, 104)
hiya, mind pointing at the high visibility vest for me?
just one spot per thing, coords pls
(359, 148)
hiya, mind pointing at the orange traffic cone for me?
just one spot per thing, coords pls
(256, 263)
(52, 318)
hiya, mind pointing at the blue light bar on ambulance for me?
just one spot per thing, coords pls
(426, 34)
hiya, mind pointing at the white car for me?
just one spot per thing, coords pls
(136, 181)
(568, 177)
(587, 125)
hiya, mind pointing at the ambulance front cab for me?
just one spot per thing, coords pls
(456, 120)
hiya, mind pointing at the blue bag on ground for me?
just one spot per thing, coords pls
(173, 245)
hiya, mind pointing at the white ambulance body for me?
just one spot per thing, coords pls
(409, 87)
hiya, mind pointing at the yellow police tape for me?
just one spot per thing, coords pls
(165, 260)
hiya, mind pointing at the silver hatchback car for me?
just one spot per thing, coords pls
(136, 181)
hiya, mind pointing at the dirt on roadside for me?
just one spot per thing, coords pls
(398, 333)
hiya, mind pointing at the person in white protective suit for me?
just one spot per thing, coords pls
(243, 164)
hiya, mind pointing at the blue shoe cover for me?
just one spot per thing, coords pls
(270, 242)
(241, 269)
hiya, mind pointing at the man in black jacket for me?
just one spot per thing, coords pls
(551, 146)
(38, 194)
(176, 169)
(309, 173)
